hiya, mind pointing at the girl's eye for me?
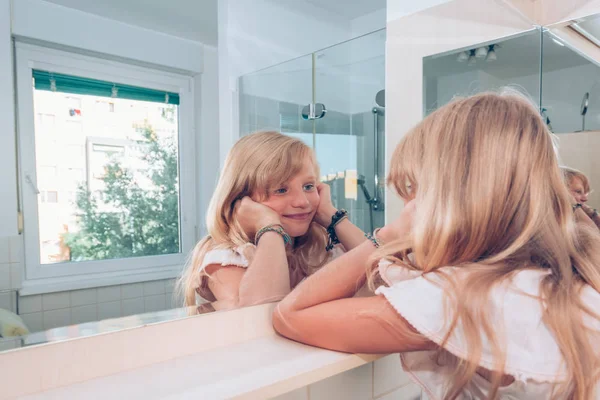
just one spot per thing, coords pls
(281, 191)
(309, 187)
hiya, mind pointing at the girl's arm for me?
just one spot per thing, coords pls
(349, 234)
(321, 312)
(267, 278)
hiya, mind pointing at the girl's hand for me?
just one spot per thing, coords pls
(400, 227)
(253, 216)
(588, 210)
(326, 209)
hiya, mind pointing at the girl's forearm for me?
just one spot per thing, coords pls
(267, 277)
(341, 278)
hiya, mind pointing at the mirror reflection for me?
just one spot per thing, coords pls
(111, 192)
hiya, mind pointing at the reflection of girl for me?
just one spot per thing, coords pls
(486, 276)
(267, 223)
(579, 186)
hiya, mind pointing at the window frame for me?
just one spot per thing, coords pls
(44, 278)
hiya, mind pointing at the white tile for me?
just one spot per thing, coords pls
(30, 304)
(57, 318)
(355, 384)
(170, 285)
(4, 253)
(109, 293)
(83, 297)
(154, 303)
(153, 288)
(133, 306)
(388, 374)
(411, 391)
(56, 301)
(173, 301)
(15, 249)
(16, 275)
(7, 300)
(111, 309)
(9, 344)
(132, 290)
(5, 276)
(82, 314)
(298, 394)
(34, 321)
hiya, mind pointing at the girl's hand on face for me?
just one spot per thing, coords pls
(400, 227)
(326, 209)
(253, 216)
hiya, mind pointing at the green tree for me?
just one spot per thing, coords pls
(141, 222)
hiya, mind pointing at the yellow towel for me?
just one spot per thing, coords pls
(11, 324)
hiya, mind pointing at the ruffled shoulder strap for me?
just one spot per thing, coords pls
(239, 256)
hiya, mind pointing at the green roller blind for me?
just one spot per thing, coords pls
(94, 87)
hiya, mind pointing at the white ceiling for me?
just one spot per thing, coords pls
(197, 19)
(349, 9)
(190, 19)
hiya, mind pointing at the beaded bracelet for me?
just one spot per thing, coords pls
(373, 240)
(277, 228)
(338, 217)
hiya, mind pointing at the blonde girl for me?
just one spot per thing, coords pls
(489, 287)
(267, 223)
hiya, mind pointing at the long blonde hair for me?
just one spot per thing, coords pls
(256, 164)
(490, 197)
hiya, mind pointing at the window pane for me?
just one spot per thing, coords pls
(107, 171)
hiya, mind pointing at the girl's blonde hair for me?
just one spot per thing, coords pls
(255, 165)
(490, 197)
(571, 173)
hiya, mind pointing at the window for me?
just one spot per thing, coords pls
(108, 186)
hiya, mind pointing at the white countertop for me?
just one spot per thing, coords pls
(258, 368)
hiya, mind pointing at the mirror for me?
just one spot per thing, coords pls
(557, 67)
(116, 168)
(571, 97)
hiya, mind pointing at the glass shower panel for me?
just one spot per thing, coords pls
(273, 98)
(348, 77)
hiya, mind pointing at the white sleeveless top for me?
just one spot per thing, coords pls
(533, 357)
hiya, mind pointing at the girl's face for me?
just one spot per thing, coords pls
(577, 190)
(296, 201)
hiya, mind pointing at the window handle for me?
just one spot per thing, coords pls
(32, 184)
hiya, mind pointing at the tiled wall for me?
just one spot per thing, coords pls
(52, 310)
(46, 311)
(383, 379)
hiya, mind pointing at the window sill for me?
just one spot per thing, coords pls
(60, 284)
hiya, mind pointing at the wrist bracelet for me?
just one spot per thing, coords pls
(373, 239)
(277, 228)
(595, 213)
(338, 217)
(576, 206)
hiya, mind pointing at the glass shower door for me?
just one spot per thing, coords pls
(328, 100)
(350, 138)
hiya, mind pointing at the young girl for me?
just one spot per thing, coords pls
(269, 223)
(489, 286)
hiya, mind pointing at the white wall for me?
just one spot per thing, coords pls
(255, 34)
(8, 181)
(56, 26)
(419, 30)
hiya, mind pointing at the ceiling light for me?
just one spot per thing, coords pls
(462, 56)
(481, 52)
(491, 55)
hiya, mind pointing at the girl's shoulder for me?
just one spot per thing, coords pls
(239, 256)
